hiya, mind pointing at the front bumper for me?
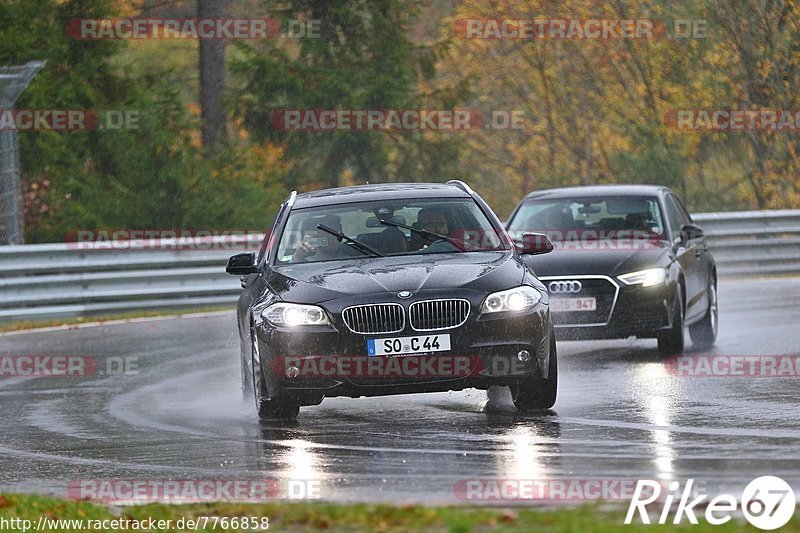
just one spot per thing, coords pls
(490, 343)
(624, 311)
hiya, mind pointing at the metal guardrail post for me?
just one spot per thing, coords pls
(13, 80)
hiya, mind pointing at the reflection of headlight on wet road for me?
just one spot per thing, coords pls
(301, 469)
(652, 383)
(524, 459)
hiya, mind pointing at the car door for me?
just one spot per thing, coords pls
(689, 255)
(702, 263)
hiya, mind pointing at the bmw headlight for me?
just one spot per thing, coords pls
(517, 299)
(287, 314)
(645, 278)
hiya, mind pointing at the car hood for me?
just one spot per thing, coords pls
(609, 262)
(319, 282)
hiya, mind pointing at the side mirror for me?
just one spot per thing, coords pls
(242, 264)
(690, 232)
(535, 244)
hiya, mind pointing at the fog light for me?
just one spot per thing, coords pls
(292, 372)
(524, 356)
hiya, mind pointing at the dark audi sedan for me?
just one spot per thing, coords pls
(391, 289)
(628, 261)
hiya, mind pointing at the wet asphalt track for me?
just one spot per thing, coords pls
(620, 414)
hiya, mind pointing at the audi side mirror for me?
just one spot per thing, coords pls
(535, 244)
(242, 264)
(690, 232)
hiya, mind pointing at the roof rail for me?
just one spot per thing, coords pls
(461, 185)
(292, 198)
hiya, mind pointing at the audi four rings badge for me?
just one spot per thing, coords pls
(565, 287)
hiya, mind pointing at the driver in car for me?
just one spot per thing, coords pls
(639, 222)
(433, 220)
(317, 245)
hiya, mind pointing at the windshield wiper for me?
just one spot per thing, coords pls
(429, 235)
(358, 245)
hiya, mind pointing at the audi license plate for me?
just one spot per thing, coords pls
(405, 345)
(573, 304)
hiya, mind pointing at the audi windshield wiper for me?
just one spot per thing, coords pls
(429, 235)
(358, 245)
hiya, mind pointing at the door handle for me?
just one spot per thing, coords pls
(698, 253)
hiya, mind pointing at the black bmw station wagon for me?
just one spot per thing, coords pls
(391, 289)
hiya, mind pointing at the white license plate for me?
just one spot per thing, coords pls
(573, 304)
(405, 345)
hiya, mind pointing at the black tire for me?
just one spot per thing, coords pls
(278, 409)
(671, 342)
(531, 393)
(269, 409)
(704, 333)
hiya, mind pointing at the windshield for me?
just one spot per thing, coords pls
(386, 228)
(589, 216)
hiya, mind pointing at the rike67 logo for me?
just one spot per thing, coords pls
(768, 502)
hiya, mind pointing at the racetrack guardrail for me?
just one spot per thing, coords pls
(60, 280)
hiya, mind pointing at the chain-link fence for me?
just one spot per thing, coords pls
(13, 81)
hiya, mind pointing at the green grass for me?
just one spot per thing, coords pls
(35, 324)
(304, 516)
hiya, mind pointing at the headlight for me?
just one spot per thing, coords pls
(645, 278)
(286, 314)
(517, 299)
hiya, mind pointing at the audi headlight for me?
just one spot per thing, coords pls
(517, 299)
(286, 314)
(645, 278)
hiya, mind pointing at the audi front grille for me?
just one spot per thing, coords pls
(602, 288)
(429, 315)
(375, 318)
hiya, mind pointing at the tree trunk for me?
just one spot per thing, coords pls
(212, 79)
